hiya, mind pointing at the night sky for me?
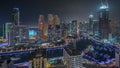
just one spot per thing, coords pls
(67, 9)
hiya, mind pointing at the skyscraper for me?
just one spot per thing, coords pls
(96, 28)
(6, 28)
(91, 24)
(104, 25)
(50, 19)
(41, 23)
(16, 16)
(72, 58)
(50, 26)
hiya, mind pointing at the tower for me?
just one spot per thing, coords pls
(16, 16)
(41, 22)
(104, 25)
(91, 23)
(6, 28)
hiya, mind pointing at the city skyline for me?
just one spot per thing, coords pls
(66, 9)
(59, 34)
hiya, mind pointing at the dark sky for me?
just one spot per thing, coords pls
(66, 9)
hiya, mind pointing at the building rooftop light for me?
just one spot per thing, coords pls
(91, 16)
(104, 7)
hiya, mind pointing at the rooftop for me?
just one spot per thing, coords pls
(71, 51)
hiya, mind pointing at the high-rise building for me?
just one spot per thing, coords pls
(117, 57)
(36, 62)
(6, 28)
(45, 31)
(74, 28)
(72, 58)
(19, 34)
(56, 20)
(96, 28)
(53, 26)
(50, 26)
(104, 23)
(41, 24)
(50, 19)
(90, 24)
(57, 26)
(16, 16)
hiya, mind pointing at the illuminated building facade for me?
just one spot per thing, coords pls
(74, 26)
(104, 23)
(50, 26)
(72, 58)
(53, 26)
(50, 19)
(96, 28)
(6, 29)
(45, 32)
(90, 24)
(36, 63)
(19, 34)
(43, 28)
(41, 22)
(57, 26)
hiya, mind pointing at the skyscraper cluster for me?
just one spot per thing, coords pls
(49, 29)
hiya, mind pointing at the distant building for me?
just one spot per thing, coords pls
(74, 26)
(90, 24)
(43, 27)
(96, 28)
(72, 58)
(117, 57)
(4, 64)
(6, 28)
(16, 16)
(36, 63)
(41, 22)
(34, 34)
(50, 26)
(19, 34)
(45, 32)
(50, 19)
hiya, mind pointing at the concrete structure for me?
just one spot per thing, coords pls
(6, 28)
(72, 58)
(36, 63)
(117, 57)
(18, 34)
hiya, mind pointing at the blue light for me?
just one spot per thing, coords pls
(31, 33)
(104, 7)
(16, 9)
(90, 16)
(3, 44)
